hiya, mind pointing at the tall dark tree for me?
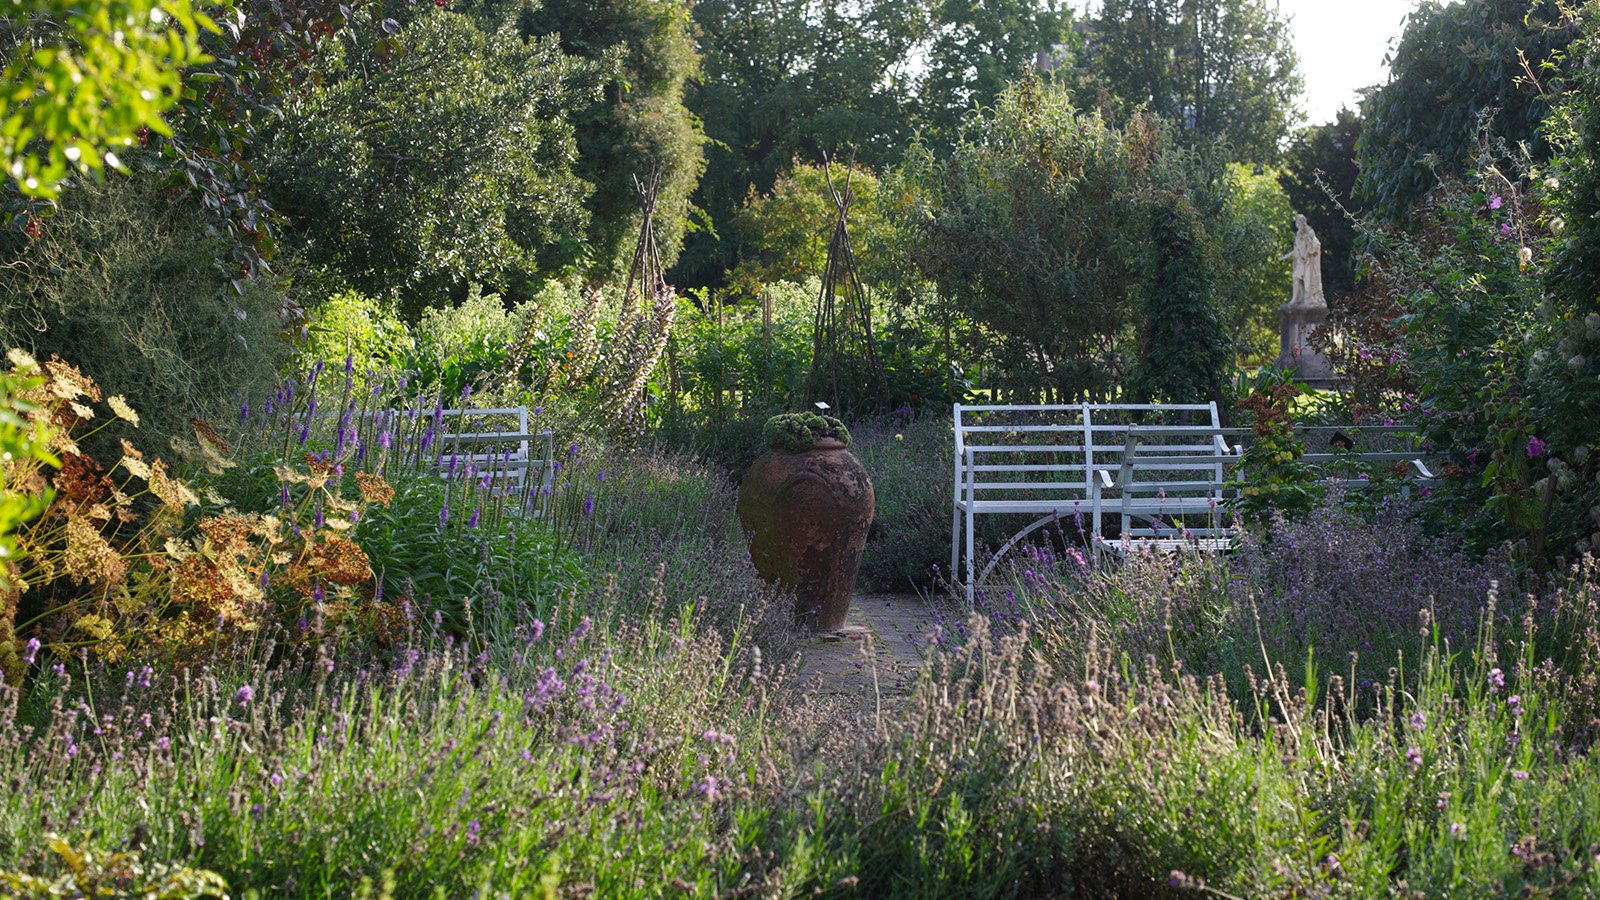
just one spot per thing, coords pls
(788, 79)
(640, 124)
(1459, 67)
(1184, 346)
(1322, 158)
(979, 47)
(1217, 69)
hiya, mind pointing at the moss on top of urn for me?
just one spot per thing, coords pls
(797, 432)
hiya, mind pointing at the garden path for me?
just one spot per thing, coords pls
(885, 638)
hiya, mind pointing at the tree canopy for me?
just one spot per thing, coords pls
(639, 124)
(433, 155)
(1459, 68)
(1217, 69)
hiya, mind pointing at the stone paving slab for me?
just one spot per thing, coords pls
(882, 644)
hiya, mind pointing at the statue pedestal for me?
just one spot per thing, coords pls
(1296, 321)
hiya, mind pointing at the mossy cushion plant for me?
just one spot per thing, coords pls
(798, 432)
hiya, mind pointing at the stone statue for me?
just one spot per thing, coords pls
(1307, 256)
(1306, 311)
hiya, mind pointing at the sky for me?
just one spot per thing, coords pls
(1342, 45)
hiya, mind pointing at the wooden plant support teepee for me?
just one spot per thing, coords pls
(609, 382)
(845, 371)
(644, 324)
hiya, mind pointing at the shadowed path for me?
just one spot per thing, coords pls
(885, 636)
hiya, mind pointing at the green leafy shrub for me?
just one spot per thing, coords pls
(457, 563)
(413, 177)
(798, 432)
(1270, 476)
(366, 330)
(123, 282)
(457, 345)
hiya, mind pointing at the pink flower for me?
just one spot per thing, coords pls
(1537, 448)
(1494, 201)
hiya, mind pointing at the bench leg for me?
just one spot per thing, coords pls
(971, 573)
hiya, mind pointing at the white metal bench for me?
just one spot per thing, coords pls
(495, 443)
(1170, 484)
(1163, 481)
(1345, 465)
(1055, 461)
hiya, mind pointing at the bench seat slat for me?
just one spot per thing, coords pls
(1026, 485)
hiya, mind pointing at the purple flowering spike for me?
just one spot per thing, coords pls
(588, 506)
(30, 651)
(444, 515)
(472, 522)
(245, 695)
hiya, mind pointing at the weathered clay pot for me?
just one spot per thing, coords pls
(807, 515)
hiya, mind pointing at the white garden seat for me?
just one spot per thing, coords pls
(496, 441)
(1168, 487)
(1057, 461)
(1158, 472)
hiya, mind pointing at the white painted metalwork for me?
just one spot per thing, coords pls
(519, 462)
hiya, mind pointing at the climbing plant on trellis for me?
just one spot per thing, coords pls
(605, 375)
(845, 370)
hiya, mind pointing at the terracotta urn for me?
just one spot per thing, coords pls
(807, 515)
